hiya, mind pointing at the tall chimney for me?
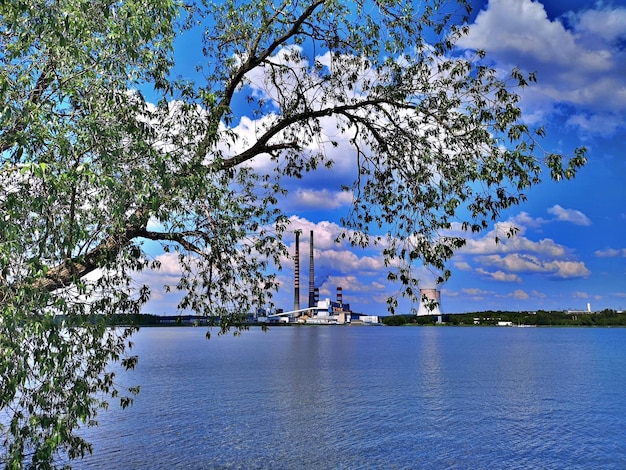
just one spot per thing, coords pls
(296, 285)
(340, 296)
(312, 302)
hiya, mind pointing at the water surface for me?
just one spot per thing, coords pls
(371, 397)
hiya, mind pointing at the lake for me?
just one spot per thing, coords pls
(371, 397)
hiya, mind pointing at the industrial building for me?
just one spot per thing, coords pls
(326, 311)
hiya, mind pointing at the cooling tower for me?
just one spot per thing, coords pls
(427, 297)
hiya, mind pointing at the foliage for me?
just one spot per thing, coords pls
(491, 318)
(540, 318)
(73, 160)
(90, 169)
(396, 320)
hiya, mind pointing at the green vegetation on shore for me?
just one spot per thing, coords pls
(487, 318)
(538, 318)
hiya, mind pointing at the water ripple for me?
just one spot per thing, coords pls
(393, 398)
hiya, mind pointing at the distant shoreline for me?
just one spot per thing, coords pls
(604, 318)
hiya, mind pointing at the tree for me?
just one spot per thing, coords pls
(91, 168)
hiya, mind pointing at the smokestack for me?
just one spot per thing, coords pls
(312, 302)
(340, 296)
(316, 295)
(296, 284)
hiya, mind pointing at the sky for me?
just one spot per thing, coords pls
(570, 250)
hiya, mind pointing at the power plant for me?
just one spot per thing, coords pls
(318, 311)
(327, 311)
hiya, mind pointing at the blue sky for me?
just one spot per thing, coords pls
(571, 247)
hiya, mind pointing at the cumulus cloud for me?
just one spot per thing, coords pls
(477, 293)
(578, 58)
(569, 215)
(486, 244)
(522, 28)
(520, 294)
(515, 262)
(511, 257)
(610, 253)
(169, 263)
(568, 269)
(603, 22)
(524, 219)
(351, 284)
(462, 266)
(347, 261)
(537, 294)
(325, 232)
(524, 263)
(499, 276)
(323, 198)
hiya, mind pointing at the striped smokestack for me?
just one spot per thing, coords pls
(312, 302)
(340, 295)
(296, 283)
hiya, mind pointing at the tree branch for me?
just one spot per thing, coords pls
(261, 145)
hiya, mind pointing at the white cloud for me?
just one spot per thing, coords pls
(578, 58)
(462, 266)
(325, 232)
(499, 276)
(538, 295)
(169, 263)
(323, 198)
(351, 285)
(477, 293)
(603, 124)
(523, 263)
(515, 262)
(520, 294)
(523, 220)
(568, 269)
(610, 253)
(487, 244)
(522, 27)
(605, 23)
(346, 261)
(569, 215)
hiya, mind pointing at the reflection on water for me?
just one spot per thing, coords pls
(373, 397)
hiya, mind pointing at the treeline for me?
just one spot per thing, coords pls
(146, 319)
(138, 319)
(540, 318)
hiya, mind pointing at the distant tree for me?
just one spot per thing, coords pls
(543, 318)
(397, 320)
(90, 168)
(423, 320)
